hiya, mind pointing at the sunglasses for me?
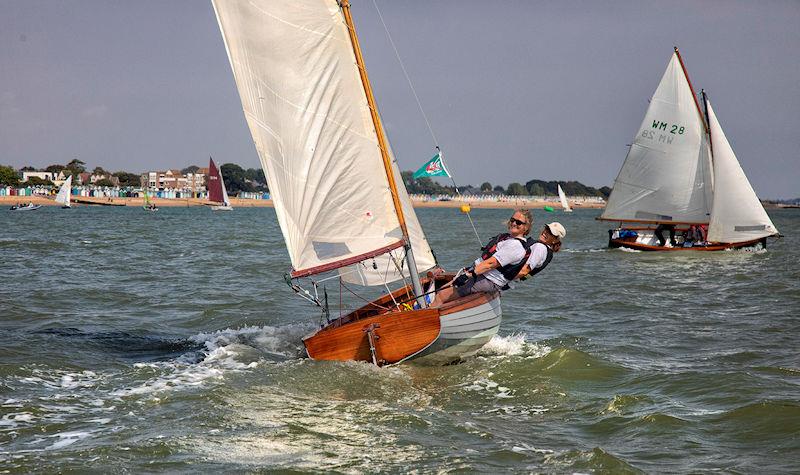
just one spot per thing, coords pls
(517, 222)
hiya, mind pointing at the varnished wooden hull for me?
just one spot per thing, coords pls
(628, 243)
(429, 336)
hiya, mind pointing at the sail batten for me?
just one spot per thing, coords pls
(301, 90)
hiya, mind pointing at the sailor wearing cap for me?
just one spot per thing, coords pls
(542, 250)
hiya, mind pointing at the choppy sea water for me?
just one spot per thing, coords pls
(168, 341)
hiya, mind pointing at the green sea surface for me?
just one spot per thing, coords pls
(148, 342)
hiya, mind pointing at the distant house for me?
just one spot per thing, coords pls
(42, 175)
(175, 180)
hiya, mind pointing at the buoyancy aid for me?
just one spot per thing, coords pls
(546, 259)
(509, 271)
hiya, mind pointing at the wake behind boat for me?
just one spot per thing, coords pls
(681, 177)
(345, 214)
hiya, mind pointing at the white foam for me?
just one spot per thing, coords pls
(228, 351)
(625, 249)
(66, 439)
(513, 345)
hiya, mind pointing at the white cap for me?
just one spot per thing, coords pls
(557, 230)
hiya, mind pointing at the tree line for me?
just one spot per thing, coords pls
(236, 178)
(427, 186)
(253, 180)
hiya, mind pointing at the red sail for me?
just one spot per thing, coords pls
(214, 182)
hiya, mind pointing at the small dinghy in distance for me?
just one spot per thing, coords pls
(64, 194)
(27, 207)
(216, 188)
(682, 173)
(563, 198)
(338, 194)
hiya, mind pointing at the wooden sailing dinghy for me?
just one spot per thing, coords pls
(681, 171)
(338, 193)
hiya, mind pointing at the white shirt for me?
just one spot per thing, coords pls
(509, 251)
(538, 256)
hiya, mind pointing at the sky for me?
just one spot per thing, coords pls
(513, 90)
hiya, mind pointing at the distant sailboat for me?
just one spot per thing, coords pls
(681, 172)
(563, 198)
(216, 188)
(64, 193)
(148, 205)
(338, 193)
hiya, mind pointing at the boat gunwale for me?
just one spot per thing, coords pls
(711, 247)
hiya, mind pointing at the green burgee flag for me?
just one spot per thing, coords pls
(434, 167)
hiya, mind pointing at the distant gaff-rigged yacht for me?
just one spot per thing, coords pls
(682, 176)
(216, 188)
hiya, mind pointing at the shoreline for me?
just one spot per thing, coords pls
(8, 201)
(245, 203)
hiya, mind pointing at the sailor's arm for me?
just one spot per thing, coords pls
(526, 269)
(486, 266)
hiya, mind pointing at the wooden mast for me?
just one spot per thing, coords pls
(708, 121)
(691, 88)
(387, 164)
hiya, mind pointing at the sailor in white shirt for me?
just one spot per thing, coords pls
(542, 251)
(494, 270)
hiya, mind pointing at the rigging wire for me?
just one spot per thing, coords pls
(422, 111)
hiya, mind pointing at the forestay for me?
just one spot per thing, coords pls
(737, 214)
(307, 111)
(666, 175)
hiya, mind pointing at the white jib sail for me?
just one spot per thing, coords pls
(225, 199)
(63, 195)
(307, 111)
(666, 175)
(737, 214)
(563, 198)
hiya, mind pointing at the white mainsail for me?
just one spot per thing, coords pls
(737, 214)
(307, 111)
(63, 195)
(563, 198)
(666, 175)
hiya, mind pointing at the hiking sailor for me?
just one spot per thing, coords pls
(500, 262)
(541, 251)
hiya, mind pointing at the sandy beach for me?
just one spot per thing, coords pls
(243, 203)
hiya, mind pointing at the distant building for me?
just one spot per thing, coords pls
(43, 175)
(175, 180)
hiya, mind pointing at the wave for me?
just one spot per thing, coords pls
(574, 364)
(595, 460)
(774, 419)
(515, 344)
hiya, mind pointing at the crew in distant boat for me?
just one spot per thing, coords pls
(503, 257)
(659, 233)
(541, 251)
